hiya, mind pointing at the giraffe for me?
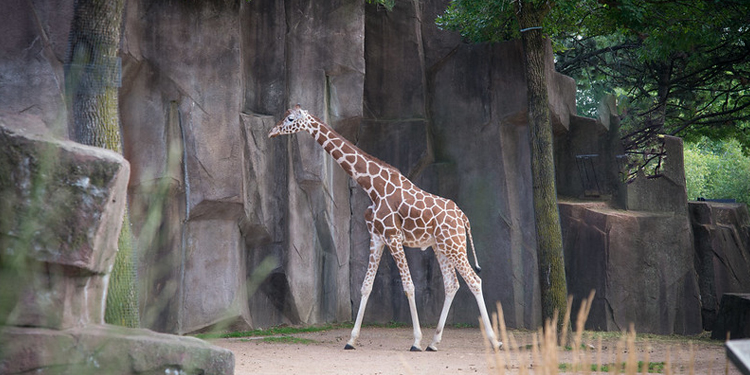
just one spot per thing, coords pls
(401, 215)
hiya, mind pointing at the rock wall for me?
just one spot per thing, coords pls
(388, 81)
(168, 111)
(589, 155)
(32, 52)
(195, 126)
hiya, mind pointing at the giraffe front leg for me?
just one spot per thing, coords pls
(451, 285)
(409, 291)
(397, 251)
(376, 251)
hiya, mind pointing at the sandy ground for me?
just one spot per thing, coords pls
(385, 351)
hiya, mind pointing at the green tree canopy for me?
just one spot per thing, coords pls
(677, 67)
(717, 170)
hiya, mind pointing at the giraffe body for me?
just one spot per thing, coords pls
(401, 215)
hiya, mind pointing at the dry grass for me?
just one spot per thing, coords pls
(584, 355)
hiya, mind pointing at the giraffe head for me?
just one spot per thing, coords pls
(295, 120)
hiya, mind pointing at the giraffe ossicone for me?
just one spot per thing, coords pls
(401, 214)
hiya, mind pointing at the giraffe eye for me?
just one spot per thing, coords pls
(290, 118)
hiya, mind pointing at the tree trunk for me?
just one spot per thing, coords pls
(547, 217)
(92, 78)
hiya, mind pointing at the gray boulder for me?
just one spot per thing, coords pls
(104, 349)
(722, 244)
(733, 320)
(63, 205)
(668, 193)
(641, 265)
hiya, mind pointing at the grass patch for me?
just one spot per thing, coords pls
(653, 367)
(569, 348)
(273, 331)
(704, 337)
(291, 330)
(390, 324)
(287, 340)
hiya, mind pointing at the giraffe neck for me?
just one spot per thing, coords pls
(362, 167)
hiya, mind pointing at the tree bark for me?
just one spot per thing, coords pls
(552, 280)
(92, 77)
(92, 73)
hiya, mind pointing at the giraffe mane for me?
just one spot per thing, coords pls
(354, 146)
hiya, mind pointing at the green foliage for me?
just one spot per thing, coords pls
(496, 20)
(717, 170)
(388, 4)
(684, 67)
(481, 21)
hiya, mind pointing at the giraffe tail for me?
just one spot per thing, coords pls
(471, 243)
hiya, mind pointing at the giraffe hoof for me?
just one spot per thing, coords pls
(431, 349)
(415, 348)
(349, 347)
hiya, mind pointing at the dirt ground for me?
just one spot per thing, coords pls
(385, 351)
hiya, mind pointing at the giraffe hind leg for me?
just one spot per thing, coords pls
(397, 251)
(475, 285)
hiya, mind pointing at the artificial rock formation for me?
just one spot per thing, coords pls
(235, 231)
(193, 179)
(631, 243)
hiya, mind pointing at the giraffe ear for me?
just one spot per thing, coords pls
(297, 107)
